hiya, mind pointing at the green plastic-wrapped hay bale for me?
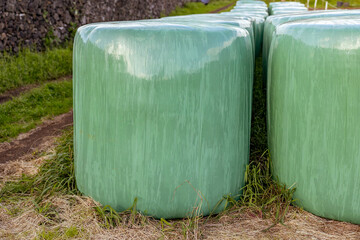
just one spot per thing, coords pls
(273, 21)
(161, 115)
(314, 112)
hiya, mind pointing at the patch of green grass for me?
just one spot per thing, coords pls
(49, 235)
(71, 232)
(198, 7)
(57, 233)
(55, 176)
(29, 67)
(26, 111)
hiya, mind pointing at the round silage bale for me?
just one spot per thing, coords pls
(161, 115)
(314, 112)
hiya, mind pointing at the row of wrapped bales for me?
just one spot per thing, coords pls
(162, 112)
(258, 22)
(313, 90)
(258, 11)
(277, 8)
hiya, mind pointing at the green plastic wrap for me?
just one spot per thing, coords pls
(214, 18)
(285, 4)
(273, 21)
(259, 27)
(314, 113)
(162, 114)
(286, 10)
(261, 3)
(252, 7)
(261, 13)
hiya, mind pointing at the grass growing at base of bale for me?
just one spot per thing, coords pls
(199, 7)
(26, 111)
(28, 67)
(262, 192)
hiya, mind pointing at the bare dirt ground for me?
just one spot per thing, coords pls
(35, 141)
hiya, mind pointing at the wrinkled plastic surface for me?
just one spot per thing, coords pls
(248, 11)
(261, 3)
(314, 112)
(289, 11)
(284, 4)
(162, 114)
(273, 21)
(251, 7)
(215, 18)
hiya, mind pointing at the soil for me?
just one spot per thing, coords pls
(8, 95)
(223, 8)
(37, 140)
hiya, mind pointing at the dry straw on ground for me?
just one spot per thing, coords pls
(74, 217)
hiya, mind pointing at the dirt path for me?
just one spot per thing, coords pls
(36, 140)
(8, 95)
(223, 8)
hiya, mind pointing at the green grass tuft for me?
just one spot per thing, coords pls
(26, 111)
(28, 67)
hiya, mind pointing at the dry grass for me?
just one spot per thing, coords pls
(74, 217)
